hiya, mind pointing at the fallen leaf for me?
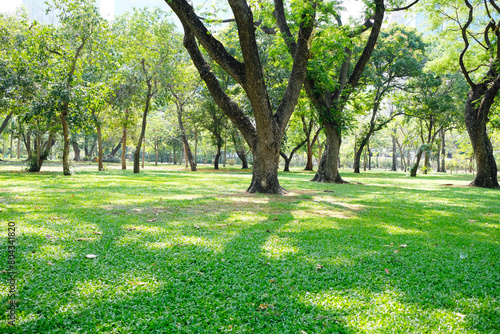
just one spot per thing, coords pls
(48, 236)
(137, 210)
(50, 263)
(319, 266)
(275, 218)
(131, 229)
(90, 256)
(403, 245)
(263, 307)
(272, 280)
(386, 270)
(460, 315)
(152, 220)
(85, 239)
(3, 271)
(98, 233)
(472, 221)
(196, 226)
(268, 231)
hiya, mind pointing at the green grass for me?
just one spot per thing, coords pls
(182, 252)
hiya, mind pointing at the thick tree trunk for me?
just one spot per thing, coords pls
(369, 156)
(476, 118)
(66, 143)
(124, 148)
(328, 167)
(265, 168)
(414, 168)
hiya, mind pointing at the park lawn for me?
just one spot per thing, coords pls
(182, 252)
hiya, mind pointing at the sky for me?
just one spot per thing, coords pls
(353, 6)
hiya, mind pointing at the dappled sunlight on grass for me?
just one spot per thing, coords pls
(192, 252)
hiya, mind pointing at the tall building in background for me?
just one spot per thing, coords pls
(122, 6)
(37, 10)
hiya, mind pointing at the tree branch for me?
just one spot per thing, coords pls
(466, 41)
(403, 8)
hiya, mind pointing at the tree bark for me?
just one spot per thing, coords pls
(6, 121)
(187, 150)
(359, 152)
(265, 135)
(217, 155)
(117, 148)
(143, 151)
(76, 150)
(328, 167)
(414, 168)
(443, 151)
(124, 148)
(100, 164)
(66, 142)
(478, 104)
(137, 153)
(394, 166)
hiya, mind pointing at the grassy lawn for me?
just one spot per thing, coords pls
(181, 252)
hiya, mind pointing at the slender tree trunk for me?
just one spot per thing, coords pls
(225, 153)
(6, 121)
(217, 156)
(117, 148)
(187, 150)
(359, 152)
(18, 147)
(369, 156)
(124, 148)
(143, 151)
(100, 164)
(394, 166)
(443, 151)
(426, 161)
(11, 141)
(328, 167)
(287, 162)
(414, 168)
(137, 153)
(309, 162)
(66, 141)
(196, 146)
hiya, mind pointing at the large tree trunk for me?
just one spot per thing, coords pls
(328, 167)
(66, 142)
(265, 168)
(476, 118)
(309, 163)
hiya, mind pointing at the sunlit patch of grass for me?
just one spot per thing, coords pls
(193, 253)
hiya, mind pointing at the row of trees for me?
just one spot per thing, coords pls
(275, 79)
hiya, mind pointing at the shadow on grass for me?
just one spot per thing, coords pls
(260, 263)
